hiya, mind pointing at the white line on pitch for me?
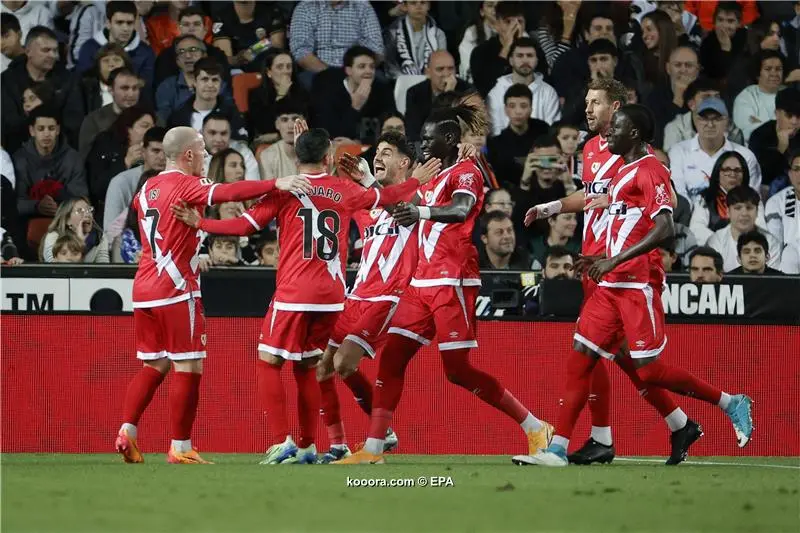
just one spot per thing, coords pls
(713, 463)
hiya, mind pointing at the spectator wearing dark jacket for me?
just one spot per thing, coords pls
(40, 63)
(725, 45)
(278, 82)
(48, 171)
(489, 60)
(349, 102)
(774, 140)
(121, 30)
(667, 99)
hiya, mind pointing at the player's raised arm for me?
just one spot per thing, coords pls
(251, 221)
(248, 190)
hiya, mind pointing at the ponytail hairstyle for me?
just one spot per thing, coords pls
(467, 114)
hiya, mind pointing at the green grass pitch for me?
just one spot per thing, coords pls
(87, 493)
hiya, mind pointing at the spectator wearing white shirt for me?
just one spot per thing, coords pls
(483, 29)
(30, 14)
(217, 136)
(692, 161)
(710, 211)
(279, 160)
(523, 60)
(743, 205)
(11, 44)
(783, 209)
(755, 105)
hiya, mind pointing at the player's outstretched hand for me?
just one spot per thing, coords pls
(300, 127)
(535, 213)
(406, 214)
(187, 215)
(598, 202)
(295, 183)
(585, 261)
(467, 151)
(600, 268)
(425, 173)
(349, 164)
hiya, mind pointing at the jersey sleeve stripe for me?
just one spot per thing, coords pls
(662, 208)
(211, 194)
(466, 191)
(252, 221)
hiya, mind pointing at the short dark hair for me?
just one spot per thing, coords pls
(222, 238)
(752, 236)
(216, 116)
(558, 125)
(546, 141)
(45, 90)
(191, 11)
(121, 71)
(44, 111)
(728, 7)
(707, 251)
(788, 100)
(391, 114)
(492, 216)
(355, 51)
(642, 119)
(399, 141)
(508, 9)
(154, 135)
(312, 146)
(39, 31)
(762, 56)
(615, 90)
(289, 106)
(9, 22)
(178, 40)
(602, 46)
(120, 6)
(558, 251)
(668, 245)
(522, 42)
(743, 194)
(209, 65)
(518, 90)
(702, 83)
(267, 236)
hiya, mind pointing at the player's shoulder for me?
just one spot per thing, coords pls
(465, 174)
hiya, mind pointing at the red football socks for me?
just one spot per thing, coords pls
(184, 393)
(659, 398)
(600, 396)
(331, 414)
(308, 402)
(394, 359)
(272, 397)
(140, 392)
(576, 392)
(678, 381)
(361, 388)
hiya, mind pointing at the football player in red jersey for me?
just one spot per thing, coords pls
(168, 315)
(310, 282)
(627, 301)
(440, 302)
(599, 166)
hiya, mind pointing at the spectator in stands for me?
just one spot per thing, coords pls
(40, 63)
(783, 209)
(224, 250)
(499, 200)
(74, 217)
(10, 41)
(601, 63)
(441, 74)
(706, 9)
(121, 149)
(125, 244)
(241, 24)
(710, 211)
(659, 40)
(500, 250)
(508, 151)
(227, 166)
(40, 93)
(411, 40)
(755, 105)
(544, 105)
(120, 29)
(124, 185)
(11, 230)
(46, 169)
(217, 135)
(743, 203)
(561, 232)
(774, 140)
(191, 21)
(68, 248)
(669, 259)
(682, 127)
(279, 160)
(277, 83)
(489, 60)
(125, 93)
(692, 161)
(726, 44)
(668, 99)
(163, 28)
(568, 136)
(349, 102)
(267, 249)
(705, 265)
(559, 264)
(540, 183)
(753, 251)
(29, 14)
(556, 29)
(483, 28)
(208, 98)
(685, 24)
(86, 19)
(323, 32)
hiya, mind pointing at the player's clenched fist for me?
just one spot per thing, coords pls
(425, 173)
(295, 183)
(542, 211)
(186, 214)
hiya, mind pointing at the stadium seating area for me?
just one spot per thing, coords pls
(88, 88)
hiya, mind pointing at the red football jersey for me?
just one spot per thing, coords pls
(167, 270)
(388, 258)
(640, 190)
(446, 253)
(599, 166)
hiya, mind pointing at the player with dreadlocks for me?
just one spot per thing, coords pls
(440, 302)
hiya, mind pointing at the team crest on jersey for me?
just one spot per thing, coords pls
(595, 167)
(153, 196)
(590, 155)
(428, 197)
(662, 198)
(203, 339)
(375, 213)
(465, 180)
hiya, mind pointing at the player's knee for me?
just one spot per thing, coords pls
(346, 365)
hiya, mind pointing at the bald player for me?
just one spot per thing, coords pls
(167, 312)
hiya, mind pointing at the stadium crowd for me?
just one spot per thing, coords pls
(89, 89)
